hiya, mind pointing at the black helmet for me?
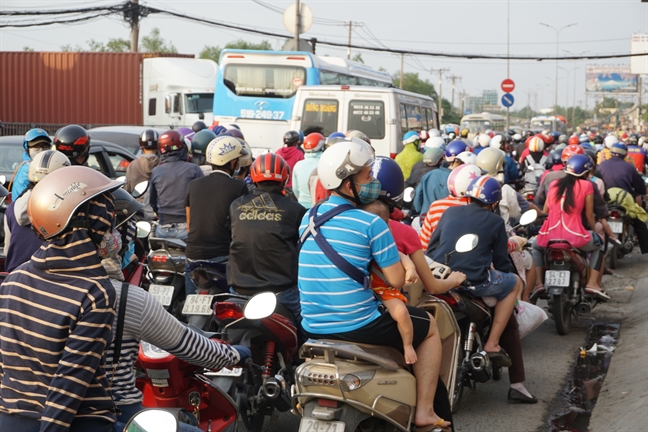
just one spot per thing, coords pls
(291, 138)
(125, 206)
(201, 140)
(598, 139)
(148, 139)
(198, 126)
(72, 140)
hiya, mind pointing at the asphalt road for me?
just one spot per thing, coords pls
(548, 357)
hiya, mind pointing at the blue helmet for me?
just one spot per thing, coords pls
(411, 137)
(619, 149)
(454, 148)
(34, 136)
(586, 145)
(485, 189)
(301, 137)
(334, 138)
(578, 165)
(583, 138)
(554, 158)
(218, 129)
(390, 175)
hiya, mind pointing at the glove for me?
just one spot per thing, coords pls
(520, 241)
(243, 351)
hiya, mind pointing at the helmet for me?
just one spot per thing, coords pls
(358, 134)
(314, 142)
(217, 129)
(435, 142)
(598, 139)
(246, 158)
(586, 145)
(464, 133)
(633, 139)
(609, 140)
(571, 150)
(149, 139)
(198, 126)
(411, 137)
(624, 136)
(591, 153)
(560, 147)
(562, 139)
(432, 156)
(301, 137)
(454, 148)
(460, 178)
(335, 137)
(270, 167)
(517, 137)
(618, 149)
(201, 140)
(467, 157)
(490, 160)
(434, 132)
(342, 160)
(583, 138)
(485, 189)
(125, 206)
(452, 136)
(186, 133)
(224, 149)
(535, 144)
(390, 175)
(72, 140)
(35, 136)
(171, 141)
(45, 163)
(232, 126)
(48, 213)
(291, 138)
(573, 140)
(235, 132)
(495, 142)
(484, 140)
(578, 165)
(554, 158)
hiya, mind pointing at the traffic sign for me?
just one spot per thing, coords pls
(508, 85)
(507, 100)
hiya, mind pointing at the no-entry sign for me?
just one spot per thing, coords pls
(508, 85)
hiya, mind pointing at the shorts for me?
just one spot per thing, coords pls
(384, 330)
(499, 285)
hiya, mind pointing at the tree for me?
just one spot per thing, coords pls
(153, 42)
(28, 48)
(358, 58)
(412, 82)
(214, 52)
(118, 45)
(449, 116)
(113, 45)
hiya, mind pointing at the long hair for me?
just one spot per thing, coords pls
(565, 187)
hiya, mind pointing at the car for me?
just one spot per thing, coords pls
(125, 136)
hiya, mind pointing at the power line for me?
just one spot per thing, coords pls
(44, 23)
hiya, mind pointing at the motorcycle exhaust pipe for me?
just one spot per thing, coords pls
(627, 247)
(583, 308)
(481, 367)
(274, 389)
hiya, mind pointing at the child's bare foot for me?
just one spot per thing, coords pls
(410, 354)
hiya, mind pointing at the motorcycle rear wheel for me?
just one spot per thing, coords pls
(562, 313)
(614, 258)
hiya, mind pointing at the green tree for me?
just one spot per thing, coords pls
(412, 82)
(153, 42)
(70, 48)
(211, 53)
(214, 52)
(118, 45)
(449, 116)
(358, 58)
(28, 48)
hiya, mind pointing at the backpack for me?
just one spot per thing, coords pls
(534, 169)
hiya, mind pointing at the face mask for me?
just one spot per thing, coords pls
(110, 245)
(33, 151)
(369, 192)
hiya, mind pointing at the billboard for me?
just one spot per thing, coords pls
(639, 45)
(610, 79)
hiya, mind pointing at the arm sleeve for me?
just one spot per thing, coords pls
(418, 196)
(295, 181)
(21, 181)
(382, 244)
(501, 260)
(153, 196)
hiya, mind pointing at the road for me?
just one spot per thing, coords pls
(548, 357)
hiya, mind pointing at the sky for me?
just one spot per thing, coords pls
(450, 26)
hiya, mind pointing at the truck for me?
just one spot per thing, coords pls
(53, 89)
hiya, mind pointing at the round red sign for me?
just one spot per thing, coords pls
(508, 85)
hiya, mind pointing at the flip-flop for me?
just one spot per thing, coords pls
(500, 357)
(600, 293)
(432, 427)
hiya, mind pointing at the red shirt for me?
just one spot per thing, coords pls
(407, 240)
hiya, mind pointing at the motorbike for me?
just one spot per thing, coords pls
(210, 279)
(158, 420)
(621, 226)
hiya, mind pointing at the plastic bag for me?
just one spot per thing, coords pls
(529, 317)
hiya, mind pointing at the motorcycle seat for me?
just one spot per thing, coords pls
(166, 243)
(386, 357)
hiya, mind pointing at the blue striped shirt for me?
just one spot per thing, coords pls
(331, 301)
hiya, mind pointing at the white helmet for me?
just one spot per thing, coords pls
(496, 141)
(483, 140)
(246, 158)
(467, 157)
(224, 149)
(434, 132)
(44, 163)
(517, 137)
(434, 142)
(461, 177)
(491, 160)
(536, 144)
(609, 140)
(342, 160)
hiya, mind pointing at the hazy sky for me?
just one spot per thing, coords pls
(453, 26)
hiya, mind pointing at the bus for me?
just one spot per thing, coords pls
(384, 114)
(540, 123)
(477, 123)
(256, 89)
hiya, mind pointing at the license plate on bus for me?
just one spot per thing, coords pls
(308, 424)
(616, 227)
(198, 304)
(162, 293)
(234, 372)
(558, 278)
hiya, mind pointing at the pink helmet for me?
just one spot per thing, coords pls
(461, 177)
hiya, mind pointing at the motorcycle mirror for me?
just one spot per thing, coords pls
(3, 179)
(466, 243)
(408, 194)
(143, 229)
(153, 420)
(121, 179)
(140, 188)
(261, 305)
(528, 217)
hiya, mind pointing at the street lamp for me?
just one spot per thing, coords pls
(557, 38)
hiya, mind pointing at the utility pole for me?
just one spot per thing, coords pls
(574, 101)
(440, 93)
(350, 25)
(453, 78)
(401, 71)
(639, 88)
(508, 61)
(133, 17)
(297, 24)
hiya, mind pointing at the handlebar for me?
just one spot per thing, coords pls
(467, 284)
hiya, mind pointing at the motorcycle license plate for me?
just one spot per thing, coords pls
(198, 304)
(308, 424)
(162, 293)
(616, 227)
(558, 278)
(237, 371)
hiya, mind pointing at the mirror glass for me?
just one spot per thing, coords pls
(121, 179)
(140, 188)
(466, 243)
(152, 420)
(408, 194)
(261, 305)
(3, 179)
(143, 229)
(528, 217)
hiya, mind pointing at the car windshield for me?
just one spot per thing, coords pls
(10, 157)
(199, 102)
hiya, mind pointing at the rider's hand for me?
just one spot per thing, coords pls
(244, 352)
(456, 278)
(519, 241)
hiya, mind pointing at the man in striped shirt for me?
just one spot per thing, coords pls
(337, 306)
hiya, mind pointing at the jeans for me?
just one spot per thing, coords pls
(10, 422)
(173, 230)
(190, 287)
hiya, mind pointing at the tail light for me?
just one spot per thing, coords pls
(344, 87)
(235, 56)
(558, 255)
(227, 310)
(392, 155)
(530, 197)
(159, 258)
(327, 403)
(295, 58)
(615, 214)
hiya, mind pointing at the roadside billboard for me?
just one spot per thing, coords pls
(639, 45)
(610, 79)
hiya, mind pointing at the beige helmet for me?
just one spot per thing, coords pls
(224, 149)
(491, 160)
(246, 158)
(55, 200)
(45, 163)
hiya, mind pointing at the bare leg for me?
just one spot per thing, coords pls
(503, 311)
(530, 282)
(399, 313)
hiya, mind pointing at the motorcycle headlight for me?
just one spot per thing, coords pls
(151, 351)
(354, 381)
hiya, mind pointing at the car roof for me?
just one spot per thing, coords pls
(125, 129)
(17, 140)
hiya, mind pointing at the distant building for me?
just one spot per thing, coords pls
(490, 97)
(486, 102)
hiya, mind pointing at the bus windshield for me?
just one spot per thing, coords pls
(199, 102)
(272, 81)
(476, 126)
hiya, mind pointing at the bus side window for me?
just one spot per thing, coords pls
(425, 119)
(431, 118)
(403, 115)
(413, 118)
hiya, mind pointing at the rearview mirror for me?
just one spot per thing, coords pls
(408, 194)
(140, 189)
(143, 229)
(261, 305)
(153, 420)
(466, 243)
(3, 179)
(528, 217)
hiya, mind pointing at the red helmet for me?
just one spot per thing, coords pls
(571, 150)
(269, 167)
(573, 140)
(171, 141)
(314, 142)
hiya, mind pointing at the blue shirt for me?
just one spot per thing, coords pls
(433, 187)
(331, 301)
(21, 180)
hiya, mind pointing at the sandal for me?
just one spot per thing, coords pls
(432, 427)
(599, 293)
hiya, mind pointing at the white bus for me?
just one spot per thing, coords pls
(477, 123)
(384, 114)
